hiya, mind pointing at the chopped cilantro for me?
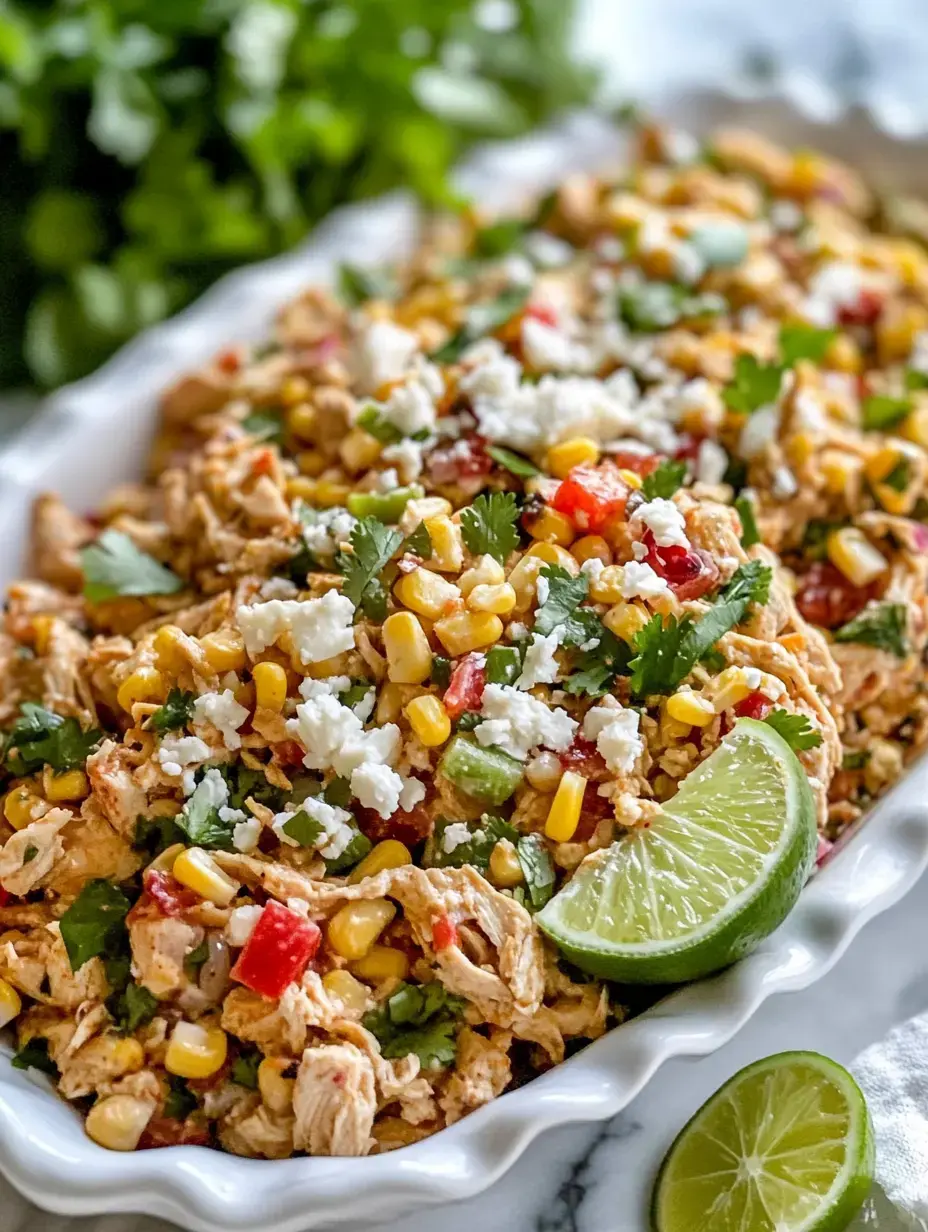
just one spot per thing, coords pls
(353, 854)
(441, 671)
(795, 729)
(754, 385)
(804, 342)
(337, 792)
(379, 427)
(357, 285)
(537, 869)
(562, 606)
(176, 712)
(481, 319)
(265, 426)
(372, 546)
(94, 924)
(197, 956)
(476, 852)
(245, 1068)
(499, 238)
(749, 532)
(596, 668)
(900, 476)
(915, 380)
(881, 625)
(654, 306)
(513, 462)
(468, 720)
(504, 663)
(303, 829)
(815, 538)
(29, 854)
(418, 1018)
(356, 692)
(855, 759)
(882, 412)
(243, 782)
(181, 1101)
(200, 822)
(34, 1055)
(664, 480)
(39, 737)
(419, 543)
(133, 1008)
(114, 566)
(489, 525)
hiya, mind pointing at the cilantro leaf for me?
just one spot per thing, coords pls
(39, 737)
(477, 851)
(243, 782)
(899, 477)
(489, 525)
(181, 1101)
(658, 645)
(34, 1055)
(915, 380)
(357, 285)
(855, 759)
(114, 566)
(749, 532)
(378, 426)
(200, 821)
(418, 1018)
(537, 868)
(95, 922)
(156, 834)
(795, 729)
(482, 319)
(499, 238)
(664, 480)
(804, 342)
(303, 829)
(513, 462)
(353, 854)
(881, 625)
(881, 412)
(419, 543)
(197, 956)
(133, 1008)
(596, 668)
(754, 385)
(565, 594)
(264, 426)
(373, 545)
(245, 1068)
(176, 712)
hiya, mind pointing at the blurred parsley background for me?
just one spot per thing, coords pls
(148, 146)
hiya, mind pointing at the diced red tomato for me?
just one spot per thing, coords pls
(263, 463)
(408, 828)
(5, 897)
(690, 572)
(278, 951)
(688, 449)
(289, 752)
(584, 758)
(864, 311)
(827, 599)
(463, 462)
(542, 312)
(444, 933)
(641, 463)
(595, 808)
(465, 688)
(591, 495)
(756, 705)
(169, 1131)
(229, 361)
(165, 895)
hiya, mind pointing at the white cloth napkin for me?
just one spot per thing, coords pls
(893, 1075)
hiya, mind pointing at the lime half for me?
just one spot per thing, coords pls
(784, 1146)
(712, 876)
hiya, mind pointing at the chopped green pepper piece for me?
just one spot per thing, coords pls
(503, 665)
(384, 506)
(486, 774)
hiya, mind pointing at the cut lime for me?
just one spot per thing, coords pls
(784, 1146)
(713, 875)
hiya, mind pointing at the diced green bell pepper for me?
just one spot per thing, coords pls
(384, 506)
(489, 774)
(503, 665)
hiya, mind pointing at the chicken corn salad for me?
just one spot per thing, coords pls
(430, 600)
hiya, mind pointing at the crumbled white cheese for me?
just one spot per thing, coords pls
(328, 529)
(365, 707)
(278, 588)
(592, 568)
(212, 792)
(382, 352)
(224, 713)
(241, 924)
(639, 581)
(785, 215)
(377, 787)
(615, 731)
(245, 834)
(410, 407)
(320, 628)
(406, 455)
(176, 753)
(664, 520)
(752, 677)
(517, 270)
(809, 411)
(518, 723)
(454, 836)
(784, 483)
(547, 250)
(700, 396)
(540, 665)
(336, 830)
(542, 590)
(517, 631)
(711, 462)
(412, 793)
(832, 287)
(688, 263)
(759, 431)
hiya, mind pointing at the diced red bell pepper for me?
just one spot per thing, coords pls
(278, 951)
(827, 599)
(756, 705)
(688, 449)
(465, 688)
(263, 462)
(641, 463)
(444, 933)
(463, 462)
(591, 495)
(865, 310)
(166, 894)
(543, 313)
(690, 572)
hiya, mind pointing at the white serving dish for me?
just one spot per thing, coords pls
(94, 434)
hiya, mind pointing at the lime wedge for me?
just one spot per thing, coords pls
(784, 1146)
(700, 887)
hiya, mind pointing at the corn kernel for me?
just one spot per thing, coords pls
(487, 572)
(294, 390)
(839, 470)
(670, 729)
(564, 814)
(505, 869)
(466, 631)
(729, 688)
(19, 805)
(311, 463)
(302, 421)
(632, 478)
(117, 1122)
(897, 328)
(389, 703)
(10, 1003)
(359, 450)
(351, 992)
(71, 785)
(128, 1055)
(145, 684)
(843, 355)
(625, 620)
(850, 551)
(355, 927)
(390, 853)
(426, 592)
(420, 508)
(328, 494)
(553, 554)
(41, 633)
(382, 962)
(915, 426)
(409, 656)
(301, 488)
(544, 771)
(197, 869)
(608, 586)
(224, 650)
(276, 1090)
(167, 645)
(429, 720)
(194, 1051)
(270, 681)
(164, 861)
(690, 708)
(447, 544)
(550, 526)
(591, 547)
(881, 462)
(524, 581)
(578, 451)
(896, 502)
(500, 599)
(801, 447)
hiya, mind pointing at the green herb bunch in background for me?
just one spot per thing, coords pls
(148, 146)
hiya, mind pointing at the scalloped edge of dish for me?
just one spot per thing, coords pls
(43, 1150)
